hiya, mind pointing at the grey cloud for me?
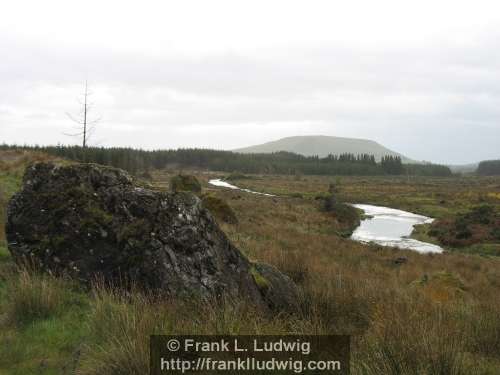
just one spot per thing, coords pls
(410, 98)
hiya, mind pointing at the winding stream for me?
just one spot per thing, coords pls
(392, 227)
(220, 183)
(384, 226)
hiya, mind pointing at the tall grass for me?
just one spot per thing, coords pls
(411, 335)
(31, 296)
(121, 324)
(485, 329)
(120, 330)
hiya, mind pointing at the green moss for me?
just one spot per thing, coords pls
(4, 254)
(260, 280)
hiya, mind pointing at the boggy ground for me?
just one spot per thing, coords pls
(446, 199)
(433, 314)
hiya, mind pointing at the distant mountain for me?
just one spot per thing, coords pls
(322, 145)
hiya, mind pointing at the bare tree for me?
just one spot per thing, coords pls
(85, 125)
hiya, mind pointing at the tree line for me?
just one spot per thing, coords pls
(137, 161)
(489, 168)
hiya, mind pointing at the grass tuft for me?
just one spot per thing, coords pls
(31, 296)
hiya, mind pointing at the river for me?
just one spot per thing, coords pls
(391, 227)
(218, 182)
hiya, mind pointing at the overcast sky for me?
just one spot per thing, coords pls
(420, 77)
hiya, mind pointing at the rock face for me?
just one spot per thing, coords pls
(91, 221)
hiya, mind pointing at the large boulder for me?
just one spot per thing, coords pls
(91, 221)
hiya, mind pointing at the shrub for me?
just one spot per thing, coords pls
(344, 213)
(482, 214)
(480, 225)
(237, 176)
(185, 183)
(220, 209)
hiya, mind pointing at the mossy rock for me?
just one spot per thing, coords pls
(279, 291)
(185, 183)
(220, 209)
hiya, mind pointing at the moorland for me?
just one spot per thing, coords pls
(431, 314)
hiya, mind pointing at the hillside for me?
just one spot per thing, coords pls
(322, 146)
